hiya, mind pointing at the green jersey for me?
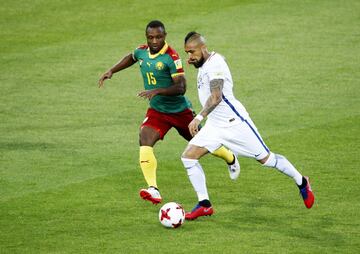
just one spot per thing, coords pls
(157, 71)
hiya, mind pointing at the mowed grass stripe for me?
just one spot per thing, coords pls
(301, 148)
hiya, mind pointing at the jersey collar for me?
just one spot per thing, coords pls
(161, 52)
(212, 53)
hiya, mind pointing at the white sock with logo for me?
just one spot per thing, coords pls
(197, 177)
(284, 166)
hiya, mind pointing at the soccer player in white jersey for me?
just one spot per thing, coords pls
(228, 123)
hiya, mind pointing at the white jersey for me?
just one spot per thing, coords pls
(229, 111)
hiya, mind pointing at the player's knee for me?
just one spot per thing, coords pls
(185, 155)
(189, 153)
(148, 136)
(270, 162)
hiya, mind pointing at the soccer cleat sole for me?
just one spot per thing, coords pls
(234, 174)
(196, 214)
(197, 217)
(147, 196)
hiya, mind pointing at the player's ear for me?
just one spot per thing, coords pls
(203, 49)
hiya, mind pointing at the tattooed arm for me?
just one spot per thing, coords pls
(216, 86)
(215, 98)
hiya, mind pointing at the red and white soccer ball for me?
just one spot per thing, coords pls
(171, 215)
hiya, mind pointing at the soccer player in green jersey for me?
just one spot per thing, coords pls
(165, 85)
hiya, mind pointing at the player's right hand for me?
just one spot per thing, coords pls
(194, 126)
(106, 75)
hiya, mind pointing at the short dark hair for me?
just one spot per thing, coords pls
(191, 34)
(154, 24)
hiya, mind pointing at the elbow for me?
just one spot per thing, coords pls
(216, 100)
(182, 90)
(180, 85)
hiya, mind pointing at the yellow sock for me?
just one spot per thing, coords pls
(148, 164)
(225, 154)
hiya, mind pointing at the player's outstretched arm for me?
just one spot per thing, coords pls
(216, 87)
(177, 88)
(124, 63)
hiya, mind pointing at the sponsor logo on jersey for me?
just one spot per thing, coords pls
(178, 64)
(159, 66)
(218, 74)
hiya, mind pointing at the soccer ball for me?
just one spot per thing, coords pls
(171, 215)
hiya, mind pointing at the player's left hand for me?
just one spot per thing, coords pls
(105, 76)
(194, 126)
(148, 94)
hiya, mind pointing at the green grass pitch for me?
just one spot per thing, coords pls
(69, 174)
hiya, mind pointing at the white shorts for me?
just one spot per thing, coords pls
(243, 139)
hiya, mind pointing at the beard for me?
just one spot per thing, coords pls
(198, 64)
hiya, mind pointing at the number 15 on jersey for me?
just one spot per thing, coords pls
(150, 78)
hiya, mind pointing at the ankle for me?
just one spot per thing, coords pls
(205, 203)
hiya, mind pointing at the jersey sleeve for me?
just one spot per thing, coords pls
(135, 53)
(216, 69)
(175, 64)
(216, 74)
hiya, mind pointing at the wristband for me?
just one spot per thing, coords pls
(199, 117)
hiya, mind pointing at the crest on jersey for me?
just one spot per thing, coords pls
(159, 66)
(178, 64)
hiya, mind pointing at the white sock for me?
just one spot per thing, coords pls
(197, 177)
(284, 166)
